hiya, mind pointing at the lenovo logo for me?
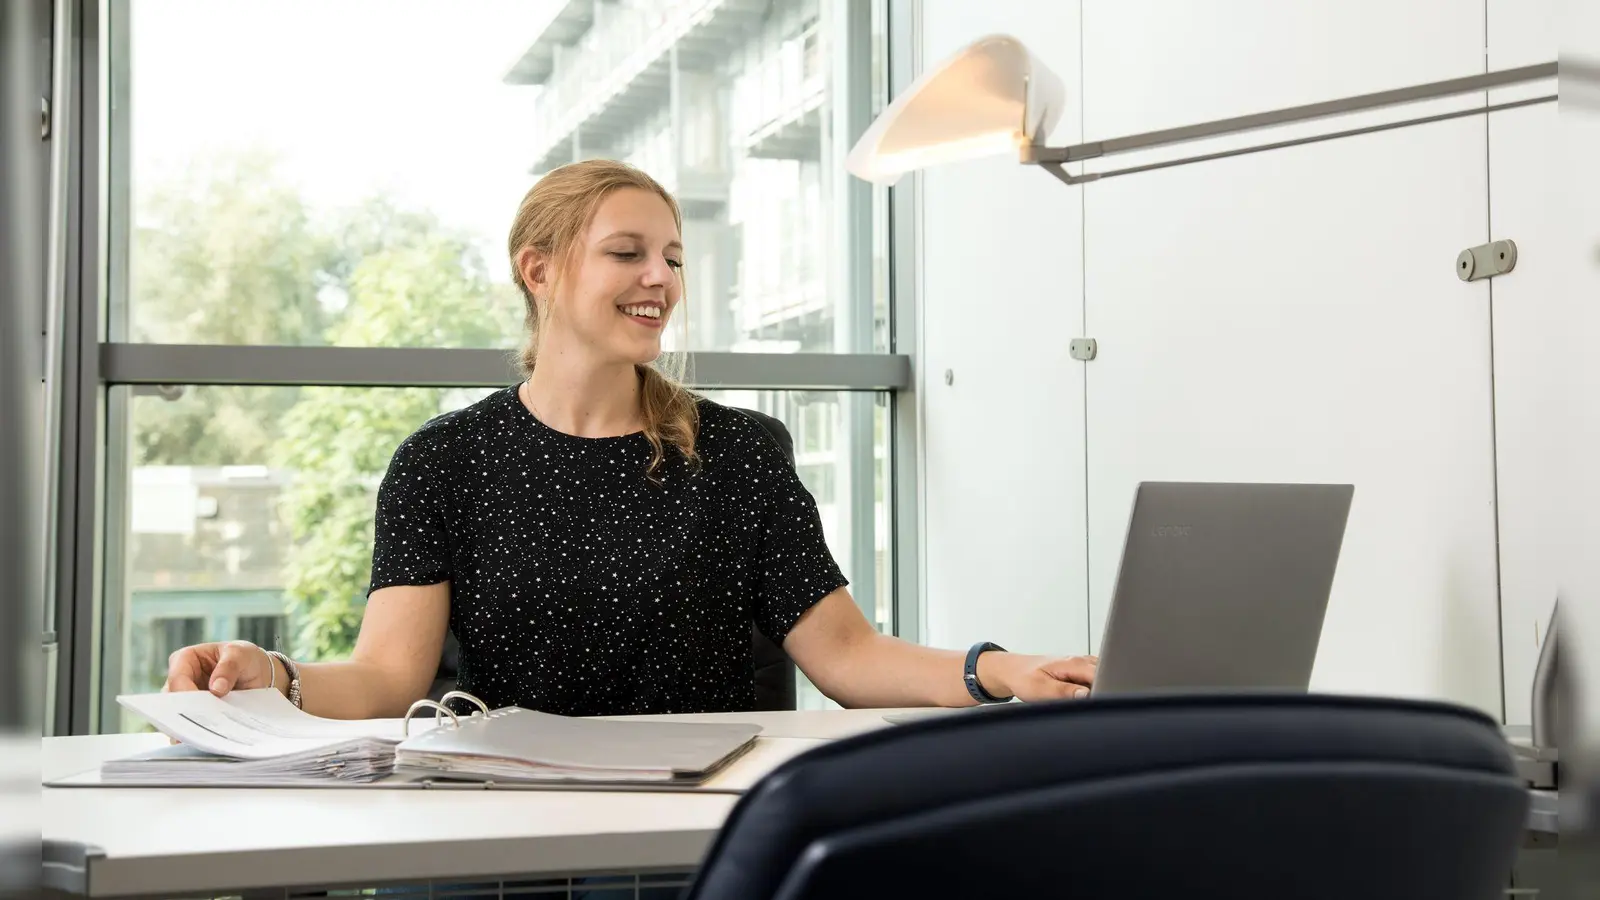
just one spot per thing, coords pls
(1178, 531)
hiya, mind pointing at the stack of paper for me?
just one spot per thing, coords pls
(254, 737)
(367, 759)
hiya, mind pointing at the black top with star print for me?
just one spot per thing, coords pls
(580, 587)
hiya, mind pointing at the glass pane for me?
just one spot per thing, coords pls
(842, 455)
(362, 195)
(248, 511)
(248, 515)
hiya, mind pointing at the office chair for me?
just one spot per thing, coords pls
(774, 671)
(1138, 798)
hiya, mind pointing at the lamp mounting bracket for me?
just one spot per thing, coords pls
(1486, 260)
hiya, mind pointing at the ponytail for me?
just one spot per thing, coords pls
(671, 417)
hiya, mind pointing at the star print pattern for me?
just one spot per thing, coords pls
(580, 587)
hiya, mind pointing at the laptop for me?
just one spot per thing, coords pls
(1536, 745)
(1221, 587)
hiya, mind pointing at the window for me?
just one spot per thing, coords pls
(239, 530)
(263, 631)
(303, 263)
(155, 639)
(405, 133)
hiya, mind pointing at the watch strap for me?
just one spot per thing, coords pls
(970, 673)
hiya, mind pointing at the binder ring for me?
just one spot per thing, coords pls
(405, 726)
(465, 696)
(439, 708)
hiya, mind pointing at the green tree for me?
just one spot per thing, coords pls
(229, 253)
(411, 283)
(225, 253)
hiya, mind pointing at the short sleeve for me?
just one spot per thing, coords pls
(797, 568)
(410, 542)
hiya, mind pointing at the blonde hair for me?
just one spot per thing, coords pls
(552, 219)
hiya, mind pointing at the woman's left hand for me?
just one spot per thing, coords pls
(1036, 678)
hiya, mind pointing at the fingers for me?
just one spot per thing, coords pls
(1079, 670)
(219, 668)
(184, 670)
(1047, 687)
(231, 666)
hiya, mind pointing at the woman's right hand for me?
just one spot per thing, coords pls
(219, 668)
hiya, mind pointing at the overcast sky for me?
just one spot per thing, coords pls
(357, 95)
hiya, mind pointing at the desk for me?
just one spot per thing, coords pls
(112, 842)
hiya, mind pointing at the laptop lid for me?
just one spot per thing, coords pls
(1222, 586)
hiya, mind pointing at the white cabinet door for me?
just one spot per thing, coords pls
(1295, 316)
(1522, 32)
(1531, 311)
(1150, 64)
(1000, 301)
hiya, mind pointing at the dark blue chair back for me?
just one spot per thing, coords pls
(1138, 798)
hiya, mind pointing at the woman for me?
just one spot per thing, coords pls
(598, 538)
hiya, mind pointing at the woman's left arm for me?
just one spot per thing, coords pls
(855, 666)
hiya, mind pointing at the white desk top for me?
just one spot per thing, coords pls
(168, 841)
(173, 841)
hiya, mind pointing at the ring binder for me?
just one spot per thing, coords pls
(440, 707)
(494, 747)
(257, 738)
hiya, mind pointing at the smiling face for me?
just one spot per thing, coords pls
(622, 282)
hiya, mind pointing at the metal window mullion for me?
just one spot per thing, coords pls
(78, 531)
(106, 314)
(61, 135)
(848, 30)
(903, 52)
(159, 364)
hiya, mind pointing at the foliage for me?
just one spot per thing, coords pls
(224, 254)
(227, 254)
(230, 254)
(415, 285)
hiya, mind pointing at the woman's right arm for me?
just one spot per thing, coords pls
(393, 664)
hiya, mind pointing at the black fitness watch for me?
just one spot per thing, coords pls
(970, 676)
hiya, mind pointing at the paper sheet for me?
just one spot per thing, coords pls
(254, 724)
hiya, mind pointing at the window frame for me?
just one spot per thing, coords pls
(91, 485)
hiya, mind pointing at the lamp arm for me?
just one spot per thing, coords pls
(1067, 178)
(1053, 158)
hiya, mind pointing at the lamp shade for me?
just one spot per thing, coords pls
(992, 97)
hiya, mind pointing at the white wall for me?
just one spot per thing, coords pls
(1579, 235)
(1284, 316)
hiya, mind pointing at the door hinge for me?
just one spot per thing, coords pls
(44, 118)
(1085, 349)
(1486, 260)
